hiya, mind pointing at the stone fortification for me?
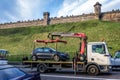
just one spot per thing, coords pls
(113, 15)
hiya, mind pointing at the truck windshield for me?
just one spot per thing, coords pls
(98, 48)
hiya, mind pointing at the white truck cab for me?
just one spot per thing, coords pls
(98, 54)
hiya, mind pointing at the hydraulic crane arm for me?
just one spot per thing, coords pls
(50, 41)
(82, 36)
(60, 35)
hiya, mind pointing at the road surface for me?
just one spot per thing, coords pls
(70, 75)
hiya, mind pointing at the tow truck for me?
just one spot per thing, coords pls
(92, 57)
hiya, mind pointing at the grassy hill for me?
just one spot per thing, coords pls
(20, 40)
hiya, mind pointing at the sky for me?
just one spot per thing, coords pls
(23, 10)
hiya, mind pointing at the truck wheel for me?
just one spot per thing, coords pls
(93, 70)
(56, 58)
(34, 58)
(42, 68)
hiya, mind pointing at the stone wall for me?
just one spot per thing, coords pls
(113, 15)
(106, 16)
(78, 18)
(22, 24)
(55, 20)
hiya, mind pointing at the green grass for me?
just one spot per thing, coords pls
(19, 41)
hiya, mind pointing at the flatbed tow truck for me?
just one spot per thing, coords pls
(93, 57)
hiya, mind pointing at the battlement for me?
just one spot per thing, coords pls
(113, 15)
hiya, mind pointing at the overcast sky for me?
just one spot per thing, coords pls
(21, 10)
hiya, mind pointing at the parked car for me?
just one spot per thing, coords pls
(46, 53)
(3, 54)
(3, 61)
(116, 59)
(9, 72)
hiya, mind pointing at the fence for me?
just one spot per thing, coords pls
(19, 57)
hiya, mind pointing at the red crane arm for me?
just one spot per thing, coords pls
(50, 41)
(82, 36)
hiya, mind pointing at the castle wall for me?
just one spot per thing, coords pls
(78, 18)
(106, 16)
(111, 16)
(72, 19)
(22, 24)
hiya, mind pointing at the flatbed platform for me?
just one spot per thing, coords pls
(55, 62)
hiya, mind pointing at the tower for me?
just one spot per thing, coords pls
(97, 10)
(46, 18)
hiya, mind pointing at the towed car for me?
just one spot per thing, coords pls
(9, 72)
(45, 53)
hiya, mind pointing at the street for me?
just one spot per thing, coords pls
(79, 76)
(70, 75)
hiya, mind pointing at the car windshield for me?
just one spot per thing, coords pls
(3, 53)
(117, 55)
(10, 74)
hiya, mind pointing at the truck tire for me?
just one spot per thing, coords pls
(56, 58)
(34, 58)
(42, 68)
(93, 70)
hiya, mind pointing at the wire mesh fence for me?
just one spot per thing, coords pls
(19, 57)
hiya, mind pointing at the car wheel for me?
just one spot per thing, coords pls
(34, 58)
(56, 58)
(93, 70)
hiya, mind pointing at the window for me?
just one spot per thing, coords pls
(46, 50)
(98, 49)
(117, 55)
(39, 50)
(3, 53)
